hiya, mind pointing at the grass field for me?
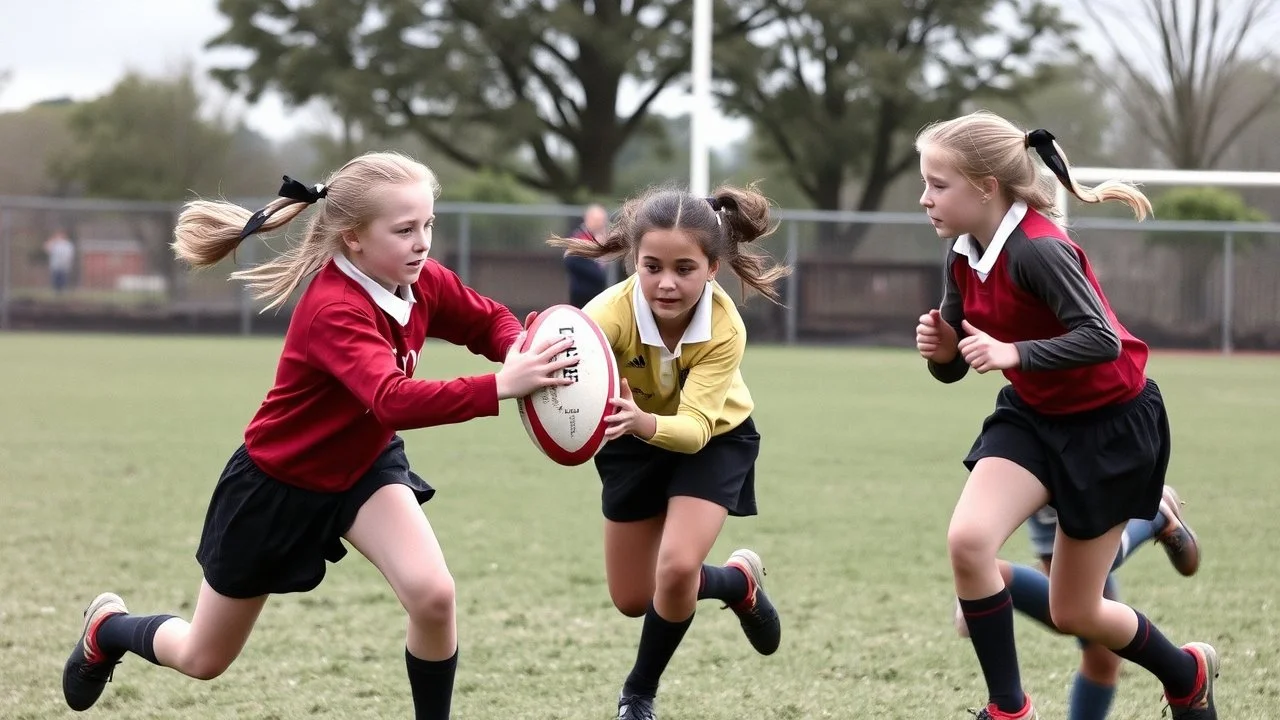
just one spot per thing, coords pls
(110, 445)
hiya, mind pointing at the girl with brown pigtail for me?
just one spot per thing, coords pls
(682, 446)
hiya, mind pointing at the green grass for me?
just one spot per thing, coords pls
(75, 296)
(110, 445)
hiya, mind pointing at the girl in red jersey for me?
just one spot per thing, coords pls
(1079, 427)
(321, 461)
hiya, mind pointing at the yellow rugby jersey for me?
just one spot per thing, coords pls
(696, 391)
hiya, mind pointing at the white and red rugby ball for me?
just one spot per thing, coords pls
(567, 422)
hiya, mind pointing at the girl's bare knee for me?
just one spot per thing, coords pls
(430, 601)
(970, 547)
(632, 598)
(678, 575)
(629, 591)
(205, 665)
(1074, 619)
(631, 605)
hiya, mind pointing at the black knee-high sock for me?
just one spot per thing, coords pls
(659, 639)
(1176, 668)
(725, 583)
(133, 633)
(431, 682)
(990, 622)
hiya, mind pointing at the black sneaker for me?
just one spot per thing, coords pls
(87, 671)
(1177, 538)
(757, 615)
(1200, 705)
(636, 707)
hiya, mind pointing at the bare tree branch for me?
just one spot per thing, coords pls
(1200, 56)
(637, 116)
(1264, 103)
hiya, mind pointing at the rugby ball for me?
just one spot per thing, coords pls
(567, 422)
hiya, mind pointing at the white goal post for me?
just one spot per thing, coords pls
(1146, 176)
(1199, 178)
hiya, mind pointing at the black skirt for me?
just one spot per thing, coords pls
(638, 478)
(1101, 467)
(263, 536)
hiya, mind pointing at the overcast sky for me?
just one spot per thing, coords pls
(81, 48)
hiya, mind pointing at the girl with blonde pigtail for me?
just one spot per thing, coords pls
(321, 460)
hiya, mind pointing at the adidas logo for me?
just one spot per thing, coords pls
(636, 362)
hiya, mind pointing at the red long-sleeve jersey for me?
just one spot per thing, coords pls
(345, 382)
(1035, 288)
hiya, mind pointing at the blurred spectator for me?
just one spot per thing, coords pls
(587, 277)
(62, 254)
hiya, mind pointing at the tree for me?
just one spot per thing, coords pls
(29, 139)
(839, 89)
(653, 154)
(1067, 105)
(658, 154)
(1180, 65)
(526, 89)
(320, 153)
(751, 160)
(1254, 147)
(146, 140)
(308, 52)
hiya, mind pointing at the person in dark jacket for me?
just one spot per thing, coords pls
(587, 277)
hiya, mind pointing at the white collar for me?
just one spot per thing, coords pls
(699, 329)
(397, 306)
(966, 246)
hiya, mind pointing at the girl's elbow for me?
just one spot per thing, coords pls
(1112, 345)
(696, 441)
(389, 418)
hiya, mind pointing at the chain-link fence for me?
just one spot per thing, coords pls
(859, 277)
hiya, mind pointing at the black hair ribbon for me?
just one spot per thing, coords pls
(1042, 142)
(291, 189)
